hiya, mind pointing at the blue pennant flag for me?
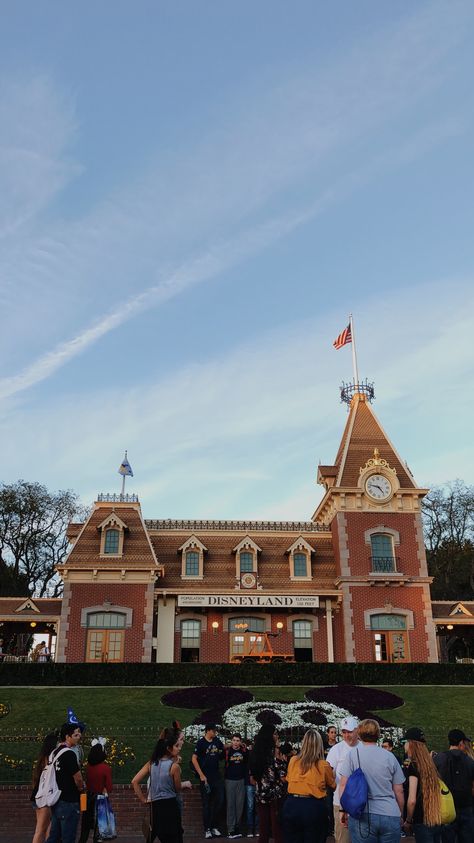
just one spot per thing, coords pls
(125, 468)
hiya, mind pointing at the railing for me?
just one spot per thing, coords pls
(384, 564)
(186, 524)
(107, 497)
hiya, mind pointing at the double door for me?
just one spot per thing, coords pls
(105, 645)
(391, 646)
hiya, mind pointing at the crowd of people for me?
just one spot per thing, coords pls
(270, 790)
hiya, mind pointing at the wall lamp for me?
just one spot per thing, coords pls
(280, 626)
(33, 624)
(215, 627)
(450, 626)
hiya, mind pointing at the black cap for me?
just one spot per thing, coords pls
(415, 734)
(455, 736)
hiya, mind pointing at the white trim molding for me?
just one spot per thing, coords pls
(388, 609)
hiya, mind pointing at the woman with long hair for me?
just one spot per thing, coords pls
(43, 815)
(164, 787)
(268, 773)
(305, 817)
(423, 802)
(98, 782)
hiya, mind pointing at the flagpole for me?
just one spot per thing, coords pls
(123, 477)
(354, 352)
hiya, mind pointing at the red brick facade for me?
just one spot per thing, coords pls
(348, 605)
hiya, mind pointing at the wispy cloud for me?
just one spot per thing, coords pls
(241, 435)
(279, 143)
(219, 258)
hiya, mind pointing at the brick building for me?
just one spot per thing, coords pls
(350, 584)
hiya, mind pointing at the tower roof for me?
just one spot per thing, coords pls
(363, 432)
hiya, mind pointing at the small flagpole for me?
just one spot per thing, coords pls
(354, 352)
(123, 477)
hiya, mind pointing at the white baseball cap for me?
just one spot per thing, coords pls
(348, 724)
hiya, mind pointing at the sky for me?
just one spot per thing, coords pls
(194, 196)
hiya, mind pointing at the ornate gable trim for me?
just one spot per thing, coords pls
(300, 544)
(193, 541)
(247, 544)
(28, 606)
(112, 520)
(460, 609)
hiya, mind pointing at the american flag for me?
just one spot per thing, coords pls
(344, 337)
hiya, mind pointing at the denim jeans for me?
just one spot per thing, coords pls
(462, 829)
(426, 833)
(376, 829)
(251, 814)
(212, 803)
(64, 822)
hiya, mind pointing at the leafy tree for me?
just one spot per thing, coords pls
(448, 516)
(33, 540)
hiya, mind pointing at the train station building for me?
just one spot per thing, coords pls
(349, 584)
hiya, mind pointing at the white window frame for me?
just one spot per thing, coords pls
(192, 544)
(300, 546)
(247, 545)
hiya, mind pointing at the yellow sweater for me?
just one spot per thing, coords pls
(312, 783)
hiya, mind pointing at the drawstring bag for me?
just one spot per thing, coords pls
(105, 819)
(448, 810)
(356, 793)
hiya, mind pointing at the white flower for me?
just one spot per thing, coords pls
(243, 718)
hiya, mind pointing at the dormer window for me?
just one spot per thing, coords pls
(112, 531)
(246, 558)
(246, 562)
(111, 543)
(192, 563)
(192, 559)
(300, 564)
(300, 559)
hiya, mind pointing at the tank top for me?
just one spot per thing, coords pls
(161, 783)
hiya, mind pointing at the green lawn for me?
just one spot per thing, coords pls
(135, 715)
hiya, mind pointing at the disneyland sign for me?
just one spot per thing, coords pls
(253, 601)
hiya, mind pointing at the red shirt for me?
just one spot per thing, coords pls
(98, 777)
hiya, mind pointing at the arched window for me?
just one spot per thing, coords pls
(300, 561)
(247, 624)
(383, 559)
(192, 563)
(303, 641)
(111, 544)
(246, 562)
(106, 620)
(190, 640)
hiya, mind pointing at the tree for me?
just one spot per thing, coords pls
(33, 523)
(448, 517)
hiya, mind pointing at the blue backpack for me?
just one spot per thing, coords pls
(356, 793)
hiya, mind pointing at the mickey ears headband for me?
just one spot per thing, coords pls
(101, 741)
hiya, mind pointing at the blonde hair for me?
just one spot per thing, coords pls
(369, 730)
(467, 748)
(312, 750)
(428, 782)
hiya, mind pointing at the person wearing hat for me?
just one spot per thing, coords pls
(423, 817)
(335, 757)
(456, 769)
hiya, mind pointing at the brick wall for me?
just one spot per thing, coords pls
(403, 598)
(131, 595)
(360, 552)
(17, 817)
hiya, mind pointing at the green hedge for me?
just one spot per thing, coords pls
(176, 675)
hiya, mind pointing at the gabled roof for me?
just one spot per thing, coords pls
(363, 432)
(449, 609)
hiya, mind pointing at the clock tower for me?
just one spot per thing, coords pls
(372, 505)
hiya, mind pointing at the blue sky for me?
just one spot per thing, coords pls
(193, 197)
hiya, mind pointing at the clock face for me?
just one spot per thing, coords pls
(248, 580)
(378, 487)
